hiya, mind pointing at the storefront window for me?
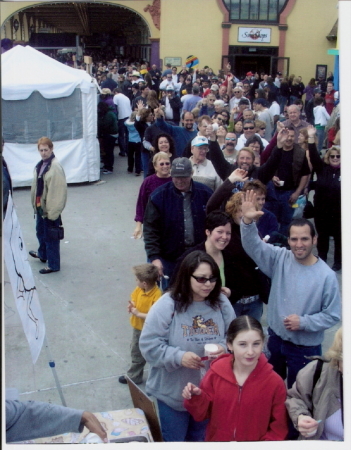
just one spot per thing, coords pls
(255, 10)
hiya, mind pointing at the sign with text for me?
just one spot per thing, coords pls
(174, 61)
(254, 34)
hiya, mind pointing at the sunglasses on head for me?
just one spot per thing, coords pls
(249, 128)
(204, 280)
(334, 156)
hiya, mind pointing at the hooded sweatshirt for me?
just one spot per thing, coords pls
(252, 412)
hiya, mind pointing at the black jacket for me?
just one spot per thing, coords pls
(224, 168)
(327, 198)
(176, 105)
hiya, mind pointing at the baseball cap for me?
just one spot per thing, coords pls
(214, 87)
(169, 88)
(249, 74)
(317, 91)
(181, 168)
(198, 141)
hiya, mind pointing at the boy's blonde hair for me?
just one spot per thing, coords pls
(146, 272)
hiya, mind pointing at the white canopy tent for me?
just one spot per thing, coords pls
(43, 97)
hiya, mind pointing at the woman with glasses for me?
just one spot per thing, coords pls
(162, 143)
(162, 175)
(192, 314)
(327, 198)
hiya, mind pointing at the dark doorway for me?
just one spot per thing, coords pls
(244, 59)
(244, 64)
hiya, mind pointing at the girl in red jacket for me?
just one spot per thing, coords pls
(241, 394)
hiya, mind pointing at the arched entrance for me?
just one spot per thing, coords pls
(107, 29)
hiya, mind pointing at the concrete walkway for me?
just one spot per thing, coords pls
(84, 305)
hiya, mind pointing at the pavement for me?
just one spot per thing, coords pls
(85, 304)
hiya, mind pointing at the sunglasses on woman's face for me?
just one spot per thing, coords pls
(334, 156)
(164, 164)
(204, 280)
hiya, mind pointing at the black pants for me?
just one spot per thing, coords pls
(134, 151)
(327, 226)
(109, 147)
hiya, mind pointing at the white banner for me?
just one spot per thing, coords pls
(22, 282)
(255, 35)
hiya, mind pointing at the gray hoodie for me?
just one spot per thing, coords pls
(167, 335)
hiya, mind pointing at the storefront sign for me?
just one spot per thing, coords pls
(174, 61)
(254, 34)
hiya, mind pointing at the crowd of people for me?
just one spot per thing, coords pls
(226, 164)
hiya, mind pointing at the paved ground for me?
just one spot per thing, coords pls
(84, 305)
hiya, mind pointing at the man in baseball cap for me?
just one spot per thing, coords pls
(174, 218)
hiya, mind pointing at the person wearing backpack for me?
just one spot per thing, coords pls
(315, 402)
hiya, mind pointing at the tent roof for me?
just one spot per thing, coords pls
(25, 70)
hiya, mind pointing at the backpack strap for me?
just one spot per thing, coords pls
(316, 376)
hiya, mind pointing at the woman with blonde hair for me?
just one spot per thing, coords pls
(327, 198)
(315, 402)
(162, 175)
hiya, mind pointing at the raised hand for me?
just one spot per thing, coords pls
(140, 105)
(238, 175)
(282, 136)
(248, 207)
(311, 131)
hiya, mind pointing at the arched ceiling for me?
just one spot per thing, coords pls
(88, 18)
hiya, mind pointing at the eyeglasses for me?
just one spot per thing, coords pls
(262, 128)
(164, 164)
(334, 156)
(249, 128)
(204, 280)
(236, 92)
(230, 139)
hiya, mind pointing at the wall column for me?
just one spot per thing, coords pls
(155, 52)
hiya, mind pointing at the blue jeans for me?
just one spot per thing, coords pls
(282, 102)
(48, 249)
(320, 134)
(179, 426)
(145, 158)
(168, 268)
(289, 357)
(254, 309)
(280, 206)
(122, 136)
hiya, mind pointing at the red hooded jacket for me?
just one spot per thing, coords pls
(252, 412)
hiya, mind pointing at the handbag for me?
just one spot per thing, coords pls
(56, 233)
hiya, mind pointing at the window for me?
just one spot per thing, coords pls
(255, 10)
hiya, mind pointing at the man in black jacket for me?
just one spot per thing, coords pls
(245, 160)
(174, 218)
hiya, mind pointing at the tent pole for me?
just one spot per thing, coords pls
(52, 365)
